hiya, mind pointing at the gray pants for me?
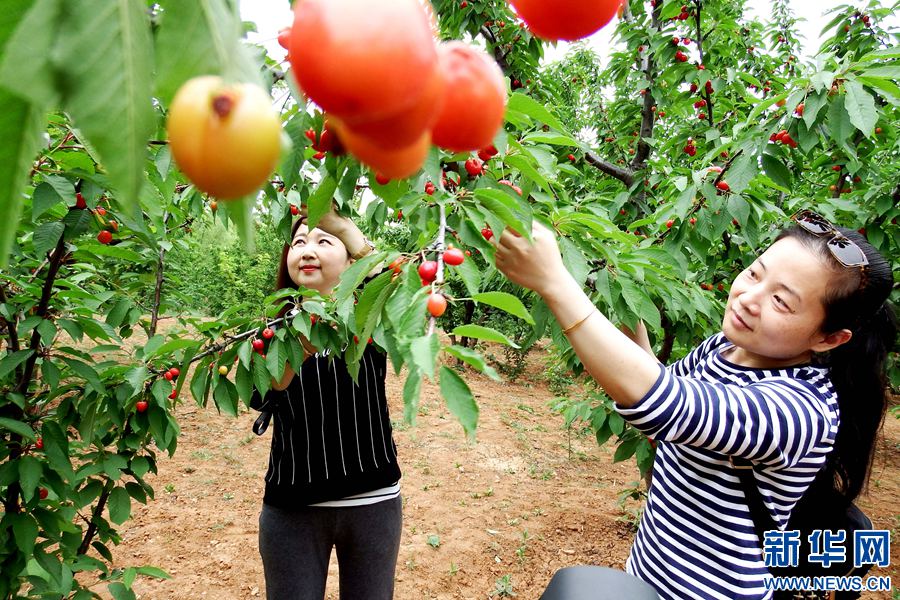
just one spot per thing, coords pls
(296, 546)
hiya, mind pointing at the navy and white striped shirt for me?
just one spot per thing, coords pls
(696, 538)
(332, 439)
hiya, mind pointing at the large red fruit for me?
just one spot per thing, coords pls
(225, 137)
(475, 98)
(397, 163)
(362, 60)
(406, 127)
(565, 19)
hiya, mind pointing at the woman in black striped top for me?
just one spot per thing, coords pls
(333, 477)
(795, 383)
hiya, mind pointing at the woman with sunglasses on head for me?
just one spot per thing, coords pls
(333, 477)
(795, 383)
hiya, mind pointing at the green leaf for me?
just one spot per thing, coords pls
(200, 38)
(506, 302)
(626, 449)
(225, 395)
(153, 572)
(355, 275)
(514, 213)
(25, 52)
(106, 52)
(120, 592)
(18, 427)
(888, 90)
(30, 473)
(45, 197)
(424, 351)
(371, 303)
(741, 173)
(529, 171)
(574, 259)
(776, 171)
(11, 361)
(460, 400)
(319, 202)
(412, 389)
(539, 137)
(21, 124)
(119, 505)
(25, 531)
(839, 124)
(483, 333)
(529, 106)
(860, 106)
(473, 359)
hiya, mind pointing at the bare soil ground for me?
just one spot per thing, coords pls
(488, 519)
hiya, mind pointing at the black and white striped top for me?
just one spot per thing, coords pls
(332, 439)
(696, 538)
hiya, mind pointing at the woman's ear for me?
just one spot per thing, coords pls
(833, 340)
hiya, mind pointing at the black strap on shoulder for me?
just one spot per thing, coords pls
(762, 519)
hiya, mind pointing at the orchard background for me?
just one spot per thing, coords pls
(663, 169)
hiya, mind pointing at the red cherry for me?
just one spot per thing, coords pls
(284, 38)
(428, 271)
(43, 493)
(319, 155)
(100, 211)
(836, 167)
(141, 406)
(381, 179)
(454, 257)
(723, 186)
(669, 223)
(463, 4)
(268, 333)
(104, 237)
(310, 135)
(258, 345)
(168, 376)
(429, 188)
(487, 233)
(39, 444)
(692, 221)
(571, 157)
(175, 371)
(437, 304)
(79, 201)
(509, 183)
(294, 210)
(474, 167)
(173, 395)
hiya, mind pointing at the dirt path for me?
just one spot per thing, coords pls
(487, 519)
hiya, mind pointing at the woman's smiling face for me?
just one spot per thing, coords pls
(774, 312)
(316, 259)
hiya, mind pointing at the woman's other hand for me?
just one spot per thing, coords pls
(536, 265)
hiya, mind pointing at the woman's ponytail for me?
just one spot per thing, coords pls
(859, 375)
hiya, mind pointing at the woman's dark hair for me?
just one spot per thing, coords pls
(857, 300)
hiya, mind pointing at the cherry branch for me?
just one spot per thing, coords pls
(10, 325)
(626, 176)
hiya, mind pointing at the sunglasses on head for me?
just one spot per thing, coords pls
(844, 250)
